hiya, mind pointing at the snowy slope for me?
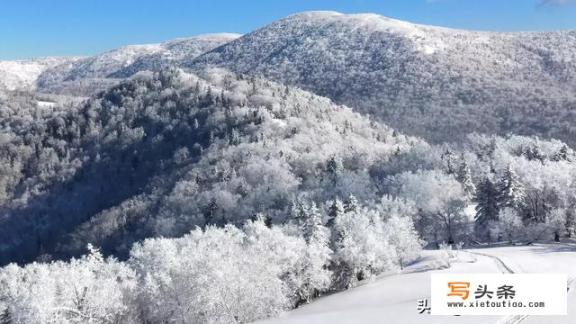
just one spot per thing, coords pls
(98, 72)
(460, 81)
(175, 52)
(19, 75)
(392, 299)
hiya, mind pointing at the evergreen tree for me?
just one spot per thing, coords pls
(298, 212)
(351, 204)
(464, 176)
(487, 205)
(336, 209)
(334, 168)
(210, 212)
(334, 165)
(447, 158)
(562, 154)
(234, 137)
(533, 153)
(311, 222)
(510, 191)
(208, 99)
(316, 277)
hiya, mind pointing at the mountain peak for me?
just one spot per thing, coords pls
(368, 21)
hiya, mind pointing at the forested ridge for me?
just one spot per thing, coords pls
(257, 168)
(432, 82)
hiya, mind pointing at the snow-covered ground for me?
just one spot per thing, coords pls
(393, 298)
(548, 258)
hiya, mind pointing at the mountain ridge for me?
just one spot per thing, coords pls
(418, 79)
(433, 82)
(77, 75)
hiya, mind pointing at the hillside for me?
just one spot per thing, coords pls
(219, 148)
(428, 81)
(183, 151)
(175, 53)
(22, 75)
(92, 74)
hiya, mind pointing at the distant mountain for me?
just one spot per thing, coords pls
(96, 73)
(433, 82)
(175, 53)
(22, 75)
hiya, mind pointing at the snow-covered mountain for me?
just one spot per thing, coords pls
(95, 73)
(175, 52)
(433, 82)
(22, 74)
(428, 81)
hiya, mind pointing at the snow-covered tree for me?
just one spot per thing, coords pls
(86, 290)
(403, 237)
(351, 204)
(215, 276)
(447, 222)
(362, 249)
(510, 224)
(334, 167)
(316, 277)
(335, 209)
(557, 223)
(510, 190)
(464, 176)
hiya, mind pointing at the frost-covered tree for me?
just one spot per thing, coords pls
(403, 237)
(351, 204)
(335, 209)
(557, 223)
(216, 276)
(86, 290)
(315, 276)
(440, 199)
(464, 176)
(334, 167)
(362, 249)
(510, 190)
(510, 224)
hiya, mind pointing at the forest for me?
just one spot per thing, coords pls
(217, 197)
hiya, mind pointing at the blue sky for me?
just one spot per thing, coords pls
(32, 28)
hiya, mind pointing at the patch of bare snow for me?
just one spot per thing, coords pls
(45, 104)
